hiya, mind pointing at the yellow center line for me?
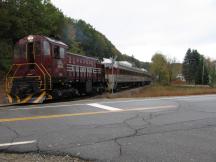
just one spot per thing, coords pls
(3, 120)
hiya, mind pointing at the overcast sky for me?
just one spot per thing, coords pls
(144, 27)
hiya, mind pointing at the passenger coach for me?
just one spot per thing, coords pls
(121, 74)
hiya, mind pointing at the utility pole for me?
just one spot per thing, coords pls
(203, 72)
(113, 81)
(214, 76)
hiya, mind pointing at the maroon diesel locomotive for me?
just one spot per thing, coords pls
(42, 69)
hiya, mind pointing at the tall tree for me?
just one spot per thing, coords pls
(187, 67)
(173, 68)
(194, 68)
(211, 65)
(159, 68)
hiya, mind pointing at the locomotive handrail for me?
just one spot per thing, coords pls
(48, 75)
(12, 76)
(43, 75)
(6, 80)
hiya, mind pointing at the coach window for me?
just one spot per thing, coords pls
(46, 48)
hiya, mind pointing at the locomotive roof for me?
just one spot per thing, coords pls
(120, 65)
(56, 41)
(44, 37)
(61, 43)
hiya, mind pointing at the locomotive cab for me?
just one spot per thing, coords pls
(31, 50)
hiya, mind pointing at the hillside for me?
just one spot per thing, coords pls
(19, 18)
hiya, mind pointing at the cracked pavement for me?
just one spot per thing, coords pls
(185, 132)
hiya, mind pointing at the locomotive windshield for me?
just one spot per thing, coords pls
(30, 52)
(27, 50)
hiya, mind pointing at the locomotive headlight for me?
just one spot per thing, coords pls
(30, 38)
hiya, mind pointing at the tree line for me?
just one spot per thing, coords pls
(19, 18)
(196, 69)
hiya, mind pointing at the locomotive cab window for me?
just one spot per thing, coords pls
(62, 52)
(37, 47)
(46, 47)
(58, 52)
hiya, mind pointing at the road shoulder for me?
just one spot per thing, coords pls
(6, 157)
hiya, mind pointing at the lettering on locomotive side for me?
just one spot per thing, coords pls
(70, 68)
(97, 70)
(89, 69)
(77, 68)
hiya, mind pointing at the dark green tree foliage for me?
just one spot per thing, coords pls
(23, 17)
(5, 41)
(194, 68)
(93, 42)
(212, 72)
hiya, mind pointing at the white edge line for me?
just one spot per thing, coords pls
(153, 108)
(104, 107)
(17, 143)
(154, 99)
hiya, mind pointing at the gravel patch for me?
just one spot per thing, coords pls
(2, 93)
(11, 157)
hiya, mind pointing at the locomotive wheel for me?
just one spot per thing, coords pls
(57, 93)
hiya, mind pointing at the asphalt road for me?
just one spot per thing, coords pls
(156, 129)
